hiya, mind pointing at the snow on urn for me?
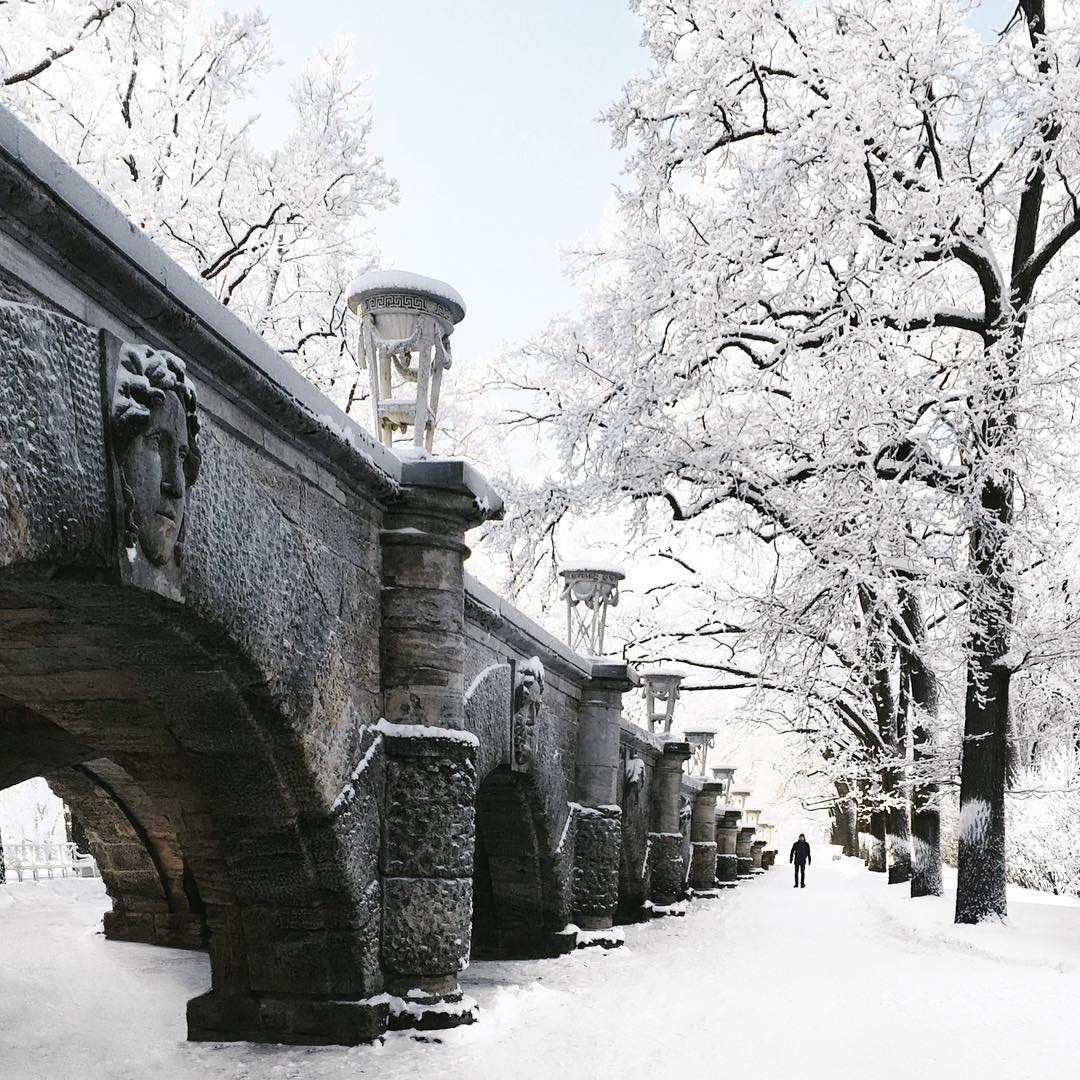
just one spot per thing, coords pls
(405, 325)
(737, 799)
(701, 736)
(723, 774)
(590, 590)
(661, 692)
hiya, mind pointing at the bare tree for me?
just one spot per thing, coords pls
(147, 99)
(830, 316)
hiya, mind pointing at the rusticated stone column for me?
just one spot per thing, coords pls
(703, 839)
(756, 850)
(727, 832)
(597, 835)
(429, 816)
(742, 850)
(598, 828)
(427, 864)
(665, 839)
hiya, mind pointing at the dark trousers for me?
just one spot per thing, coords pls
(800, 874)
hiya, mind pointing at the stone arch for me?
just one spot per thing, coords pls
(155, 897)
(236, 690)
(104, 671)
(517, 907)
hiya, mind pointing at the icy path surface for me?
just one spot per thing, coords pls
(844, 978)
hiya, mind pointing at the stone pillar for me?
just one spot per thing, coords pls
(757, 849)
(423, 604)
(665, 839)
(727, 832)
(742, 850)
(429, 809)
(703, 840)
(768, 858)
(598, 828)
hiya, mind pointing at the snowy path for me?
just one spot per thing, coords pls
(844, 978)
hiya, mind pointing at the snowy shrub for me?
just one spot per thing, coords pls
(1042, 835)
(950, 829)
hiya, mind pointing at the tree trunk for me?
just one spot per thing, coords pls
(980, 887)
(923, 699)
(880, 656)
(845, 828)
(926, 842)
(897, 833)
(876, 862)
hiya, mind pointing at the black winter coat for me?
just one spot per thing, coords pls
(800, 852)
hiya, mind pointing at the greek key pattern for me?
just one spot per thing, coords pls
(407, 302)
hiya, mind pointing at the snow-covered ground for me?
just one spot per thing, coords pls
(847, 977)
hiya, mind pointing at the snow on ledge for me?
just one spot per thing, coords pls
(659, 911)
(348, 791)
(416, 1010)
(611, 938)
(425, 731)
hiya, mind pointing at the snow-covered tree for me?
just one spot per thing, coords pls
(150, 100)
(834, 314)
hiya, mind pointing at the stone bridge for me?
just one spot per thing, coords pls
(237, 637)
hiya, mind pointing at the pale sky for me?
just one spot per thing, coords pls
(486, 114)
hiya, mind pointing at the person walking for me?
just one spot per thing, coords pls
(800, 856)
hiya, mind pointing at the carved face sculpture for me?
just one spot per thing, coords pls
(155, 429)
(153, 465)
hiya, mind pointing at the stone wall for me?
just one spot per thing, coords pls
(532, 839)
(236, 633)
(235, 679)
(640, 753)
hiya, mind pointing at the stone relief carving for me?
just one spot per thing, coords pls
(528, 697)
(686, 809)
(154, 430)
